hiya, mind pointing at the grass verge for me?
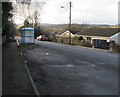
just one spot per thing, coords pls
(23, 47)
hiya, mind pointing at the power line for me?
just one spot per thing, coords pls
(18, 17)
(38, 4)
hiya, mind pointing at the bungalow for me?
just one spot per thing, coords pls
(98, 33)
(93, 35)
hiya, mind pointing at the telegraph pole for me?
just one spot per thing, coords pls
(70, 17)
(119, 13)
(70, 5)
(70, 23)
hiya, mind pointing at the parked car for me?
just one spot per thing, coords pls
(42, 38)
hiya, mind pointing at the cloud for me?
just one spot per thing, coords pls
(89, 11)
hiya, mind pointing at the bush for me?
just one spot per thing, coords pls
(76, 37)
(81, 38)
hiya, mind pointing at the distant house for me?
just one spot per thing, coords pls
(53, 33)
(65, 37)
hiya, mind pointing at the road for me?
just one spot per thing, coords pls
(59, 69)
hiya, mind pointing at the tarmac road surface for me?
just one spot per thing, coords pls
(59, 69)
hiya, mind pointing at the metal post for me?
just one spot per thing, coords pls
(33, 24)
(119, 13)
(70, 23)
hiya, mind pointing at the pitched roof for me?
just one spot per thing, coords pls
(105, 32)
(66, 34)
(73, 32)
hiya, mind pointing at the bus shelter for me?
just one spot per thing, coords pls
(27, 35)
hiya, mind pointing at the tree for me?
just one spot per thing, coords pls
(32, 17)
(81, 38)
(26, 23)
(7, 25)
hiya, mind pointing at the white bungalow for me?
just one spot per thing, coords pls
(116, 38)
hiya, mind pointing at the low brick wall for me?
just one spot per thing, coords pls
(76, 42)
(65, 40)
(73, 41)
(115, 47)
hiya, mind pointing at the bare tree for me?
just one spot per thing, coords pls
(30, 10)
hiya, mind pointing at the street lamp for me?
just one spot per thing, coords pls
(70, 5)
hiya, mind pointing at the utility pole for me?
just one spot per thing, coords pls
(70, 16)
(119, 13)
(69, 37)
(70, 23)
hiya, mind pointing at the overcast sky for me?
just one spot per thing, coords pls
(83, 11)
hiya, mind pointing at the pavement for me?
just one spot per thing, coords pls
(15, 80)
(60, 69)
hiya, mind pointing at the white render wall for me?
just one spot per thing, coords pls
(116, 38)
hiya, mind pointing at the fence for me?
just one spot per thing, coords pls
(73, 41)
(65, 40)
(115, 47)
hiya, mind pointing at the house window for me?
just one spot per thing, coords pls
(88, 39)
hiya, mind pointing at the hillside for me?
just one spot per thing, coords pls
(49, 28)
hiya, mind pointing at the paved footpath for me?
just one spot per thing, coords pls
(15, 80)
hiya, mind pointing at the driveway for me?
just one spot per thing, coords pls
(59, 69)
